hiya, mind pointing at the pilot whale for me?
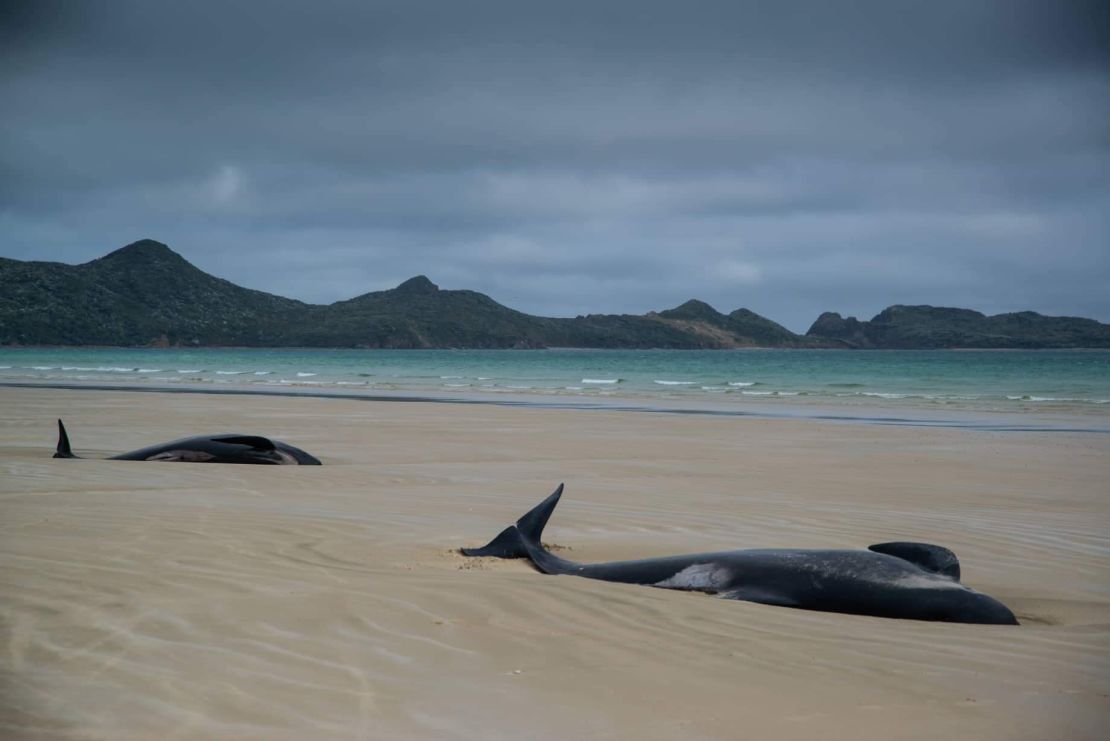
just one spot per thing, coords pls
(914, 581)
(208, 449)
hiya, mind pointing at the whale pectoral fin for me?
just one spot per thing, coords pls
(934, 558)
(761, 595)
(252, 441)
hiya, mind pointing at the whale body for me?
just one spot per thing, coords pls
(914, 581)
(228, 448)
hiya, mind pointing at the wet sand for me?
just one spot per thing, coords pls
(144, 600)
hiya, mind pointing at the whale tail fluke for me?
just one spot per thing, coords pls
(532, 524)
(63, 450)
(511, 542)
(507, 544)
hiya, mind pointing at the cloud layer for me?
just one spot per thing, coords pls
(789, 157)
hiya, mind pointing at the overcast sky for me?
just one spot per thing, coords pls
(566, 157)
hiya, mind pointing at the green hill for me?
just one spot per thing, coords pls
(418, 314)
(147, 294)
(144, 293)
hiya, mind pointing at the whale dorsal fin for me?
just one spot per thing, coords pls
(253, 441)
(934, 558)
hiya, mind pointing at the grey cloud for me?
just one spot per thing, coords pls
(790, 157)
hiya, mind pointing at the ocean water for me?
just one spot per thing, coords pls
(1006, 380)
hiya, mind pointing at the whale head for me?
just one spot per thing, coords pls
(969, 606)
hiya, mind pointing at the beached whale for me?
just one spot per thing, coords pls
(914, 581)
(208, 449)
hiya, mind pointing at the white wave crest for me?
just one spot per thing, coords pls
(600, 380)
(771, 393)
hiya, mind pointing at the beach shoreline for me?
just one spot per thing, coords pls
(146, 600)
(1093, 421)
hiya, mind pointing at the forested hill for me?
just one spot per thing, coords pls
(146, 294)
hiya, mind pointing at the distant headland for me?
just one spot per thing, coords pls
(145, 294)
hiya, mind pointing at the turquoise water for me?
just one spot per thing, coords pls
(986, 380)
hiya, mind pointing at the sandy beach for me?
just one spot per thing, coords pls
(158, 601)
